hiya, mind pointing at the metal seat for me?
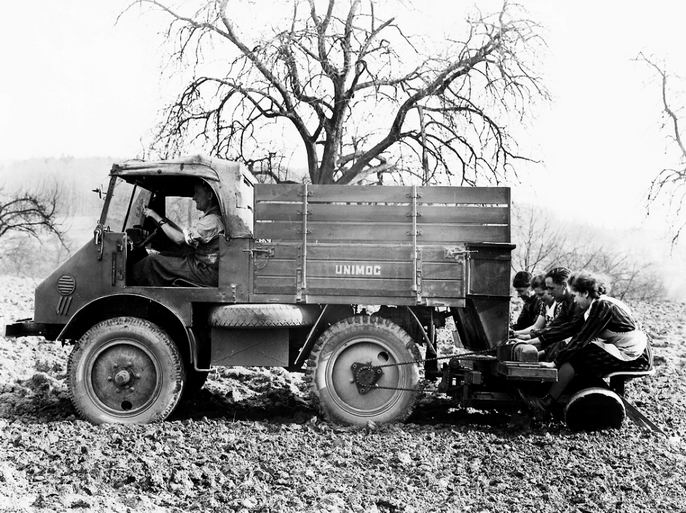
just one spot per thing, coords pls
(617, 381)
(182, 282)
(631, 374)
(619, 378)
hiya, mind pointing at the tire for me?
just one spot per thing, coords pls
(262, 316)
(363, 339)
(125, 370)
(594, 408)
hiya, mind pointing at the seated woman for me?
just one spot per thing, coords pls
(609, 339)
(546, 314)
(546, 310)
(566, 322)
(200, 264)
(531, 306)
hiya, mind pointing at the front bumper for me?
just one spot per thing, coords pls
(30, 328)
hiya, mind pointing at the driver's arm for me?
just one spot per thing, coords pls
(170, 229)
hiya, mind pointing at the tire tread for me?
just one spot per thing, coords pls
(259, 316)
(159, 335)
(339, 328)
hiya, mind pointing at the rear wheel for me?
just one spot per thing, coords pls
(125, 370)
(347, 376)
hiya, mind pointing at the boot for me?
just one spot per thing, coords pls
(534, 403)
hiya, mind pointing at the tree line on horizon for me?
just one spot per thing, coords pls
(544, 242)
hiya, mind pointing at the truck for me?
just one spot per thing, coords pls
(346, 284)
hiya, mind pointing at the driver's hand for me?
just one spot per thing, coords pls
(148, 212)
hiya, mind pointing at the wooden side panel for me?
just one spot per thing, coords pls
(359, 242)
(478, 215)
(285, 250)
(465, 195)
(375, 231)
(359, 286)
(381, 194)
(278, 192)
(394, 213)
(345, 269)
(359, 194)
(278, 212)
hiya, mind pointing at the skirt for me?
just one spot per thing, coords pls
(160, 270)
(591, 360)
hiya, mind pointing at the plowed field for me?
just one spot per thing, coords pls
(250, 442)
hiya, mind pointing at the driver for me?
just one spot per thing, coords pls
(200, 264)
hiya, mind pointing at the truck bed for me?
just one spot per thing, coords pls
(380, 245)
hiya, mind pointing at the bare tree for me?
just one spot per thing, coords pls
(543, 243)
(671, 181)
(23, 255)
(538, 241)
(339, 76)
(30, 213)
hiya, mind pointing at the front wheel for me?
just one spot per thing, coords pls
(125, 370)
(351, 373)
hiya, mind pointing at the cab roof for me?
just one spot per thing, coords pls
(200, 166)
(232, 183)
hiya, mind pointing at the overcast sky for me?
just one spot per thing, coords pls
(74, 83)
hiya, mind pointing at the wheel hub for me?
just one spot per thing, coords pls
(124, 378)
(365, 376)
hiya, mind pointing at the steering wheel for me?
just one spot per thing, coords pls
(140, 237)
(143, 243)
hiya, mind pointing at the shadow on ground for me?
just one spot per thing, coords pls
(270, 406)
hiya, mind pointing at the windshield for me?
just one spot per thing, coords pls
(124, 196)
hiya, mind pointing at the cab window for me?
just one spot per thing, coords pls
(125, 207)
(181, 210)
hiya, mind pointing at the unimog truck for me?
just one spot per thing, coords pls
(347, 284)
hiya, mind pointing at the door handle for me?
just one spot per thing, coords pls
(98, 235)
